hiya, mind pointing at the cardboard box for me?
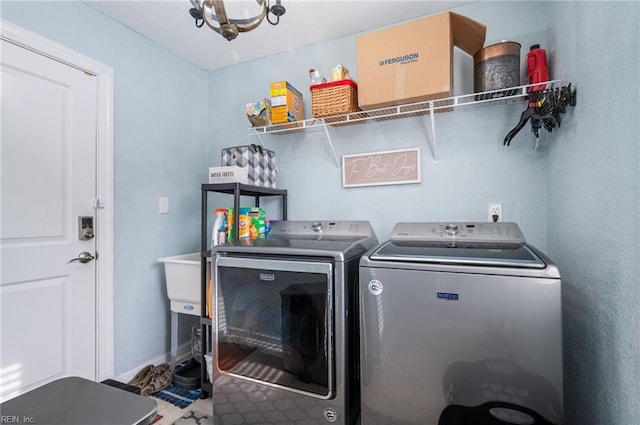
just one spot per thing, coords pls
(413, 62)
(230, 174)
(286, 103)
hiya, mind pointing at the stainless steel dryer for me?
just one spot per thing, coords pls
(285, 334)
(460, 325)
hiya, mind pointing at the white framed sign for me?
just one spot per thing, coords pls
(381, 168)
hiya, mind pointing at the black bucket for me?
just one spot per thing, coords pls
(188, 376)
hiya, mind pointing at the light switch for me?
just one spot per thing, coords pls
(163, 205)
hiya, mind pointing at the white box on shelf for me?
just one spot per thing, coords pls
(229, 174)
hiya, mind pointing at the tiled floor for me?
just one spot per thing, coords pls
(170, 413)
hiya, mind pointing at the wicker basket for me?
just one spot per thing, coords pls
(334, 98)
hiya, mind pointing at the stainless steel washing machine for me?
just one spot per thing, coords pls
(285, 333)
(460, 325)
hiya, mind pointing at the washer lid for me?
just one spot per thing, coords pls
(464, 253)
(484, 244)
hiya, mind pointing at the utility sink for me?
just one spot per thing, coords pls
(182, 275)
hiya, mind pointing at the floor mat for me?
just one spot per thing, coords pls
(194, 418)
(178, 396)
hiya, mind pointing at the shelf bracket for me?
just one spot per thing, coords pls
(333, 151)
(260, 139)
(432, 141)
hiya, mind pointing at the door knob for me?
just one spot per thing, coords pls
(83, 257)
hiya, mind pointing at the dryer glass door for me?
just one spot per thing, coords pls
(274, 322)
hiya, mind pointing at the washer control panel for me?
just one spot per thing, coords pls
(326, 228)
(469, 232)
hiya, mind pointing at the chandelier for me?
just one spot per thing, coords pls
(214, 14)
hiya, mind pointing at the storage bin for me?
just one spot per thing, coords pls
(334, 98)
(259, 162)
(182, 276)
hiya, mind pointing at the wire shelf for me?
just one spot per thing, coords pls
(472, 101)
(464, 102)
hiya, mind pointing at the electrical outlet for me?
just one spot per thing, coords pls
(494, 213)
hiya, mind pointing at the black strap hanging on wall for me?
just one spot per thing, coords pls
(544, 110)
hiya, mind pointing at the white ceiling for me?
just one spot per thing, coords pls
(168, 23)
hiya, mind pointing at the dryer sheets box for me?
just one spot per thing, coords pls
(230, 174)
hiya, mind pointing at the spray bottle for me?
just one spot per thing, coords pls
(537, 69)
(218, 235)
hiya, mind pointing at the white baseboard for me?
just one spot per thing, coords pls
(184, 352)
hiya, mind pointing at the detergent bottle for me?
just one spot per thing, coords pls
(243, 221)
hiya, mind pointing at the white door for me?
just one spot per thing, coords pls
(48, 180)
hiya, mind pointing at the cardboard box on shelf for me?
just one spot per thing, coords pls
(286, 103)
(413, 62)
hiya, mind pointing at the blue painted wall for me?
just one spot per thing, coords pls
(159, 141)
(594, 209)
(568, 196)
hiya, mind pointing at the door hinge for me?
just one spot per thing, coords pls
(98, 203)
